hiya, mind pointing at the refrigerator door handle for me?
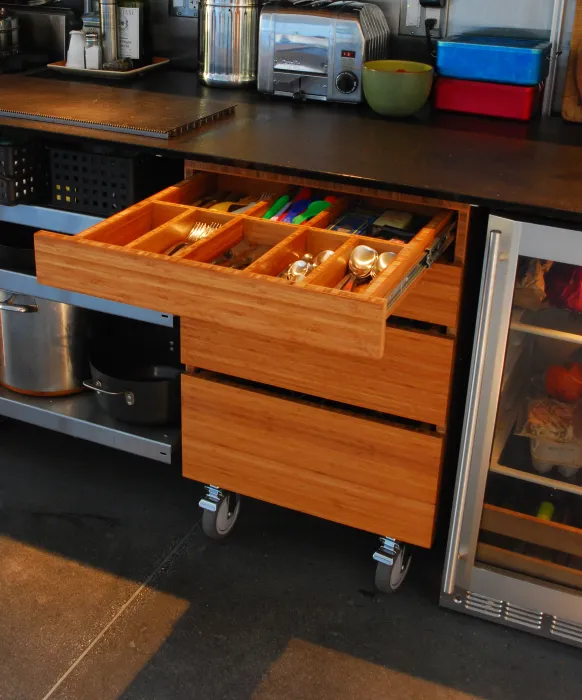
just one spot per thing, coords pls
(474, 394)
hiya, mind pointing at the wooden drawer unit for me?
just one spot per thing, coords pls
(125, 258)
(411, 380)
(330, 462)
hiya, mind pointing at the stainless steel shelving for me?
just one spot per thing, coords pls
(23, 283)
(80, 416)
(46, 218)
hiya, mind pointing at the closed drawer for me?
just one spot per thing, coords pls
(127, 259)
(319, 459)
(411, 380)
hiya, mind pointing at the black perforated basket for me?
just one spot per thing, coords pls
(23, 172)
(103, 184)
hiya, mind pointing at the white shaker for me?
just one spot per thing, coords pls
(76, 52)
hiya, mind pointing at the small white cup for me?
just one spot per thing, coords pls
(76, 52)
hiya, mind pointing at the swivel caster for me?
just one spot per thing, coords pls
(220, 512)
(394, 560)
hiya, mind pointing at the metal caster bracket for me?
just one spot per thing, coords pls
(214, 495)
(389, 550)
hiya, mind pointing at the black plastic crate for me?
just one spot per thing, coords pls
(23, 172)
(103, 184)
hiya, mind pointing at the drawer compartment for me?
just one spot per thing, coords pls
(153, 255)
(317, 458)
(411, 380)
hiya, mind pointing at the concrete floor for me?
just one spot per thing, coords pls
(109, 590)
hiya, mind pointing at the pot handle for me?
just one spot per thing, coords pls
(20, 308)
(98, 387)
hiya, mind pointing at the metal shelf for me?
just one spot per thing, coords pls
(23, 283)
(46, 218)
(533, 478)
(542, 323)
(80, 416)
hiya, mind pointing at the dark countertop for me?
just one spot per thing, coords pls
(503, 164)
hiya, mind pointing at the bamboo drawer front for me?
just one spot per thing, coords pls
(333, 464)
(411, 380)
(125, 259)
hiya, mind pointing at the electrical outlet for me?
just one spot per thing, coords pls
(184, 8)
(413, 17)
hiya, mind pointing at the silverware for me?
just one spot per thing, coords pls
(298, 270)
(362, 262)
(263, 197)
(199, 231)
(383, 263)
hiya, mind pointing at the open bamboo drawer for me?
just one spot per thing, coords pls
(143, 256)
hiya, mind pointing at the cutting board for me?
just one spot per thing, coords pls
(124, 110)
(572, 100)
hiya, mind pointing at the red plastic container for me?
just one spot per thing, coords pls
(491, 99)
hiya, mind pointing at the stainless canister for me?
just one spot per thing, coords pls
(228, 42)
(43, 348)
(9, 31)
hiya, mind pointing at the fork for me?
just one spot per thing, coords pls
(199, 231)
(263, 197)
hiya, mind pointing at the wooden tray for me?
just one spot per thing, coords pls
(123, 259)
(61, 67)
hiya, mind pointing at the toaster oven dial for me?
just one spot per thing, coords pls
(346, 82)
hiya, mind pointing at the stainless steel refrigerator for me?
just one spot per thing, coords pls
(515, 545)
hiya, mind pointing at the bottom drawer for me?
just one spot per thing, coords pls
(311, 456)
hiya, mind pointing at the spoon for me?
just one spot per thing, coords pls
(361, 263)
(312, 210)
(299, 270)
(383, 263)
(322, 257)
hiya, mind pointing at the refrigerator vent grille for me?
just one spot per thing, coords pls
(567, 630)
(523, 616)
(483, 605)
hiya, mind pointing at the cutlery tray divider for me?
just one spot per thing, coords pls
(123, 228)
(177, 230)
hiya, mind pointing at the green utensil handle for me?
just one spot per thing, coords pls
(276, 208)
(312, 210)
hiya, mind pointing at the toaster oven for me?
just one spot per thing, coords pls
(315, 49)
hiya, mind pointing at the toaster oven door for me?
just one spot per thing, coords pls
(302, 44)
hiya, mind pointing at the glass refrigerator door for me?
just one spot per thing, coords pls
(515, 550)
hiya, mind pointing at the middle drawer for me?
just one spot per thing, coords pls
(411, 380)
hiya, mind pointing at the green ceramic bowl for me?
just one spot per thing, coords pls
(397, 88)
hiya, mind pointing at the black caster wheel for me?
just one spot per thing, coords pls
(389, 578)
(218, 524)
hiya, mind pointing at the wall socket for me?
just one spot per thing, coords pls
(413, 16)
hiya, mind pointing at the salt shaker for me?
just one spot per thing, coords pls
(93, 52)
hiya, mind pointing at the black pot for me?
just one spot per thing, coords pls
(133, 392)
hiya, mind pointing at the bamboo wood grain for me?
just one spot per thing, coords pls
(531, 529)
(436, 297)
(411, 380)
(572, 99)
(530, 566)
(192, 166)
(347, 469)
(319, 317)
(409, 256)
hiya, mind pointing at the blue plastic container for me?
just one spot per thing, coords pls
(494, 59)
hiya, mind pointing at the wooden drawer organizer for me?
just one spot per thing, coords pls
(123, 259)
